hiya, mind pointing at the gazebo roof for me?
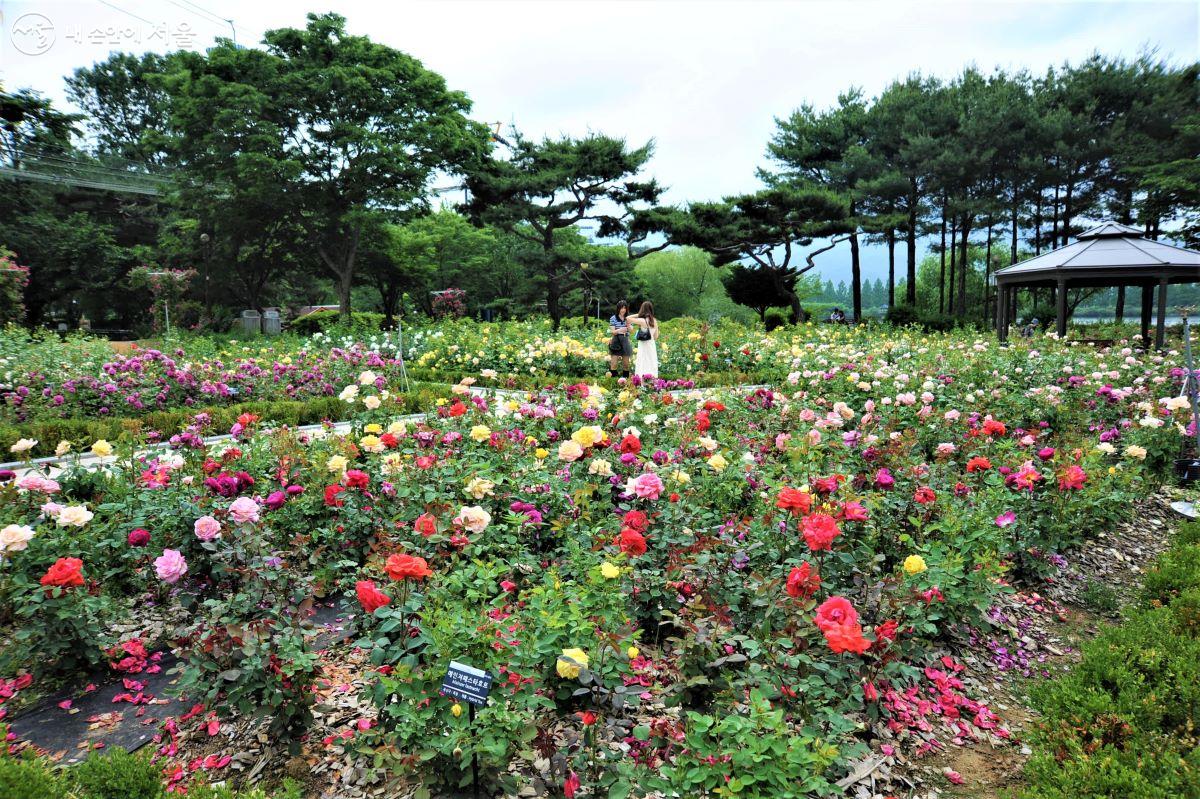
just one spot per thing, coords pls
(1111, 252)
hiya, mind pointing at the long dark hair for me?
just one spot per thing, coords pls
(621, 304)
(647, 312)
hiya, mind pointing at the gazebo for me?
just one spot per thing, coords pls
(1110, 254)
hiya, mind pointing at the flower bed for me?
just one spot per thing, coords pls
(679, 591)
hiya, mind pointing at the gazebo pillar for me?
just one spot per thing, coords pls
(1060, 306)
(1147, 305)
(1160, 332)
(1001, 313)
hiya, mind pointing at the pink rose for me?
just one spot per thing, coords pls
(207, 528)
(244, 510)
(170, 566)
(647, 485)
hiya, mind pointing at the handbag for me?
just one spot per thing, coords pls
(643, 335)
(615, 345)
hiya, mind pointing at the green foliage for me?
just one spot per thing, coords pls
(1174, 572)
(59, 630)
(331, 322)
(1124, 721)
(117, 774)
(543, 189)
(290, 789)
(775, 318)
(1100, 597)
(29, 777)
(683, 282)
(753, 754)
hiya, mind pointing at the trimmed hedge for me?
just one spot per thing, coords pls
(1126, 721)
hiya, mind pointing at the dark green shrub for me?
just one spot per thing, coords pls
(30, 778)
(1124, 721)
(1189, 533)
(902, 315)
(1174, 572)
(775, 317)
(326, 321)
(117, 774)
(1186, 610)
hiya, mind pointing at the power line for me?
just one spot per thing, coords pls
(127, 13)
(207, 16)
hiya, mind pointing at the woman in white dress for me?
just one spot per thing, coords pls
(646, 363)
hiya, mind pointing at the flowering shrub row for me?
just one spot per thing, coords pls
(651, 577)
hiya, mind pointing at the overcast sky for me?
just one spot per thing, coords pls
(704, 80)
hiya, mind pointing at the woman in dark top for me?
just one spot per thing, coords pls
(620, 348)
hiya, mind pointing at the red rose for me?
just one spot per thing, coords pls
(846, 638)
(637, 520)
(978, 464)
(331, 496)
(870, 692)
(886, 631)
(425, 524)
(571, 785)
(356, 478)
(835, 611)
(819, 530)
(631, 444)
(631, 542)
(406, 567)
(794, 500)
(1072, 479)
(370, 597)
(803, 582)
(65, 573)
(138, 537)
(827, 485)
(703, 422)
(388, 440)
(924, 496)
(993, 428)
(457, 409)
(714, 405)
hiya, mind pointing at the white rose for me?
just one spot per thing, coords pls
(74, 516)
(15, 537)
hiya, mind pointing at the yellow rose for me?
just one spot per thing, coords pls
(102, 449)
(63, 448)
(480, 433)
(632, 652)
(456, 710)
(23, 445)
(570, 662)
(337, 464)
(718, 462)
(372, 402)
(397, 428)
(609, 571)
(914, 564)
(541, 454)
(373, 428)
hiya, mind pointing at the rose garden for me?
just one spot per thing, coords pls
(329, 476)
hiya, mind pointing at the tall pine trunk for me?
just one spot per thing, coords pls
(942, 271)
(964, 265)
(911, 241)
(949, 307)
(891, 245)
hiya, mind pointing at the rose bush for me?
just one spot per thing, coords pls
(779, 560)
